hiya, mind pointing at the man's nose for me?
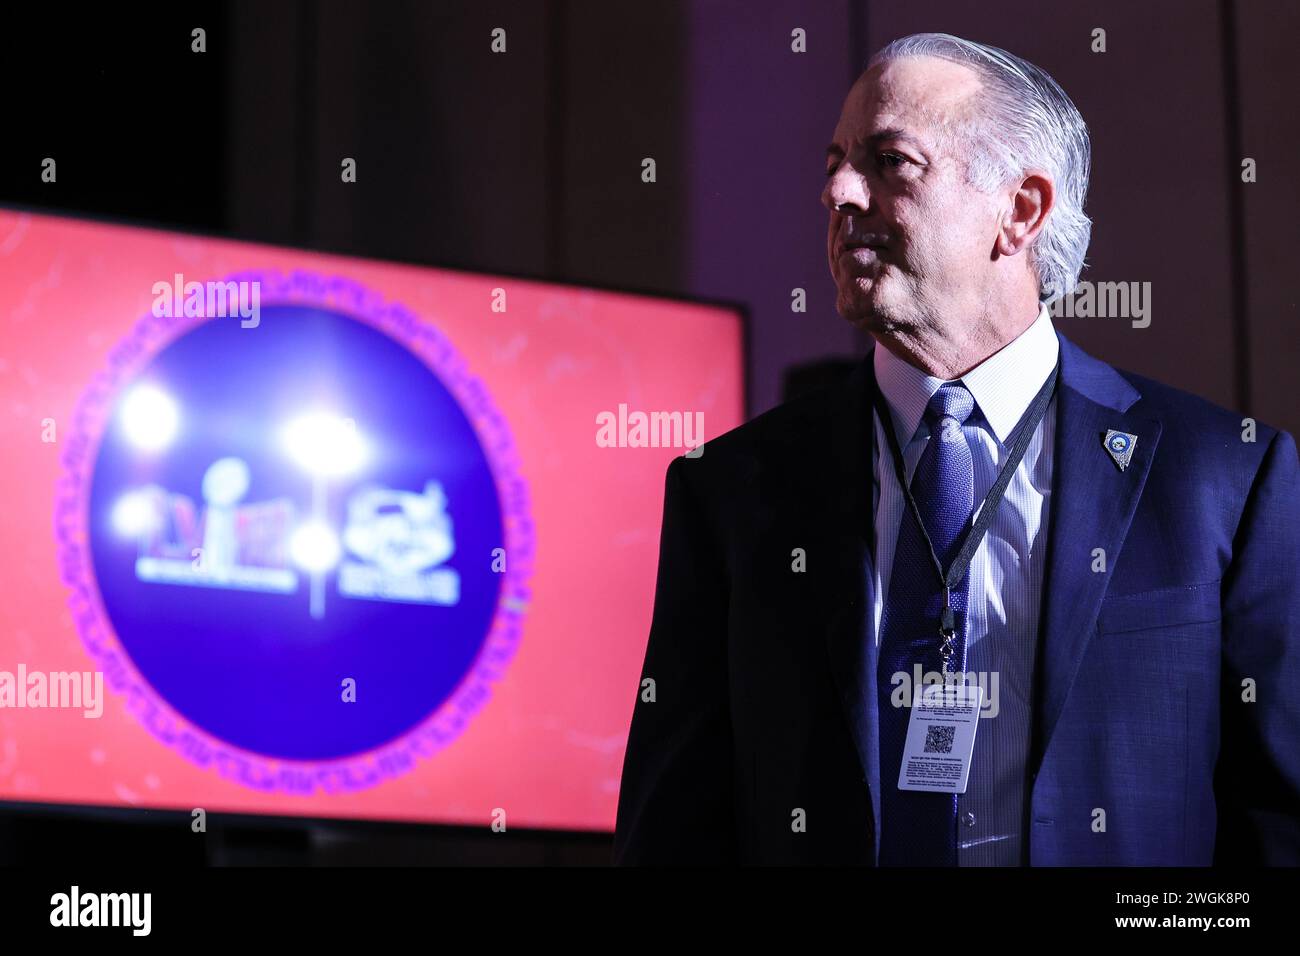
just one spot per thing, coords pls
(847, 193)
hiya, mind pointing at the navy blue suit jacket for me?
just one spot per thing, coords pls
(1167, 691)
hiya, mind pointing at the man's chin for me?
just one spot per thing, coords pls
(865, 312)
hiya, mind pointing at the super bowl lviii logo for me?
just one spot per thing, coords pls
(300, 550)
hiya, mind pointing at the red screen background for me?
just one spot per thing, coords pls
(548, 747)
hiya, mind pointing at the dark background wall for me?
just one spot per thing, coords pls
(529, 163)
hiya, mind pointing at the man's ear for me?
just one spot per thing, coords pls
(1024, 219)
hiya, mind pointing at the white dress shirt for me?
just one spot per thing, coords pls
(1006, 572)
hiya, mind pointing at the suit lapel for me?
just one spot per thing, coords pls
(1093, 502)
(850, 518)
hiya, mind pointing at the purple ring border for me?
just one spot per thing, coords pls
(255, 771)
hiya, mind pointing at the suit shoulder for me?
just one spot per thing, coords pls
(793, 422)
(1202, 427)
(1183, 405)
(727, 466)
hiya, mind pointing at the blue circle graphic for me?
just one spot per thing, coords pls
(304, 578)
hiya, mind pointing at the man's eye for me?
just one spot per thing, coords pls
(891, 160)
(831, 171)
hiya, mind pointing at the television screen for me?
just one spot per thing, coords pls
(299, 534)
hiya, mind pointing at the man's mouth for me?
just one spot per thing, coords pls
(872, 244)
(864, 253)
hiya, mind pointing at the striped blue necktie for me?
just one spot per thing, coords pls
(919, 828)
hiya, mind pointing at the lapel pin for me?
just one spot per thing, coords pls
(1120, 446)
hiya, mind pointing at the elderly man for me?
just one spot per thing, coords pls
(1101, 574)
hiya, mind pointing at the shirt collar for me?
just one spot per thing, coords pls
(1003, 384)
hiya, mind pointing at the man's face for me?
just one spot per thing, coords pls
(910, 241)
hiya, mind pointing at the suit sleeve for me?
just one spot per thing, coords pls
(1257, 782)
(675, 801)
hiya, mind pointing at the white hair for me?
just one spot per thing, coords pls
(1025, 121)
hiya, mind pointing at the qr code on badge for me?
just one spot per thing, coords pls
(938, 738)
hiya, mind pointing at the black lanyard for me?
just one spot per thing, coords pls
(1020, 437)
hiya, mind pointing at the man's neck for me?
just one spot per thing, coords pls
(949, 357)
